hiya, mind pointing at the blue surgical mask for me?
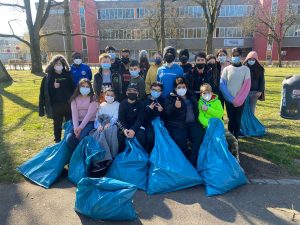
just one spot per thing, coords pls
(251, 62)
(134, 73)
(155, 94)
(222, 59)
(113, 55)
(158, 61)
(84, 91)
(105, 66)
(235, 59)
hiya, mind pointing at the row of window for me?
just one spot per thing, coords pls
(178, 33)
(82, 19)
(293, 31)
(183, 12)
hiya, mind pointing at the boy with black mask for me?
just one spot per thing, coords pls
(125, 59)
(201, 74)
(184, 58)
(168, 72)
(131, 118)
(116, 64)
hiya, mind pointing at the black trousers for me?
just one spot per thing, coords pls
(140, 136)
(61, 113)
(234, 118)
(193, 132)
(150, 138)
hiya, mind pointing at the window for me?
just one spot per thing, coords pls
(235, 10)
(293, 31)
(56, 11)
(274, 6)
(230, 32)
(84, 43)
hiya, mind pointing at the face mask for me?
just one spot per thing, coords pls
(155, 94)
(105, 66)
(134, 74)
(132, 96)
(211, 65)
(84, 91)
(222, 59)
(183, 59)
(169, 58)
(207, 96)
(158, 61)
(112, 55)
(181, 91)
(251, 62)
(125, 60)
(109, 99)
(200, 65)
(77, 61)
(58, 68)
(235, 59)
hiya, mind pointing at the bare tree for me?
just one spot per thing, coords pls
(68, 30)
(271, 25)
(211, 11)
(4, 76)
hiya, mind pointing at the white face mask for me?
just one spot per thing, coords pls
(84, 91)
(181, 91)
(109, 99)
(207, 96)
(58, 68)
(77, 61)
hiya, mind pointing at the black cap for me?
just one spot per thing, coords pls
(184, 52)
(132, 86)
(169, 49)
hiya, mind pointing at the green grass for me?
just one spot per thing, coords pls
(23, 133)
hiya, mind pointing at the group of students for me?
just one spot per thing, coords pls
(127, 95)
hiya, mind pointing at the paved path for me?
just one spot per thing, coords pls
(28, 204)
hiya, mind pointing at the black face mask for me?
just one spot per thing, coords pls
(169, 58)
(211, 65)
(125, 60)
(200, 65)
(132, 96)
(183, 59)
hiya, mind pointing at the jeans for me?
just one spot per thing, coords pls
(73, 141)
(61, 113)
(193, 132)
(253, 100)
(234, 116)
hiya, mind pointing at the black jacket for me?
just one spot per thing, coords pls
(177, 117)
(257, 77)
(187, 69)
(116, 83)
(152, 114)
(51, 97)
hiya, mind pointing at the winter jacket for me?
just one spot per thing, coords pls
(151, 77)
(150, 114)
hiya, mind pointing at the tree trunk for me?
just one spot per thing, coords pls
(162, 25)
(209, 40)
(68, 31)
(4, 76)
(35, 52)
(279, 53)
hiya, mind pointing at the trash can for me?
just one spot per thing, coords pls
(290, 99)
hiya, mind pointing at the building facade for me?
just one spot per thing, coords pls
(131, 24)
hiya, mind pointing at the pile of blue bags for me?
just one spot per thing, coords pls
(250, 125)
(85, 153)
(219, 170)
(45, 167)
(166, 170)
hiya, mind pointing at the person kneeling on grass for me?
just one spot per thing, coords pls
(84, 108)
(106, 130)
(131, 118)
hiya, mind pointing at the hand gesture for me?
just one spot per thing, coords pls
(151, 106)
(178, 103)
(159, 107)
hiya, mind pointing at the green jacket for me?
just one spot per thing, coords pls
(215, 110)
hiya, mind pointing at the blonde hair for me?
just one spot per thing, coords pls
(205, 87)
(104, 56)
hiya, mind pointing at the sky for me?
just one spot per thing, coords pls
(10, 13)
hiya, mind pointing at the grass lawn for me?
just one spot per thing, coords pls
(23, 133)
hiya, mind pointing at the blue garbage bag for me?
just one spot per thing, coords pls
(105, 199)
(250, 125)
(86, 152)
(45, 167)
(217, 167)
(131, 166)
(169, 168)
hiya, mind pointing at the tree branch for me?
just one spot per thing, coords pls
(16, 37)
(12, 5)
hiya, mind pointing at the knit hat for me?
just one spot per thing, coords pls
(184, 52)
(169, 49)
(252, 54)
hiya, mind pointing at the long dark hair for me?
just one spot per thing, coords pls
(62, 59)
(77, 90)
(257, 69)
